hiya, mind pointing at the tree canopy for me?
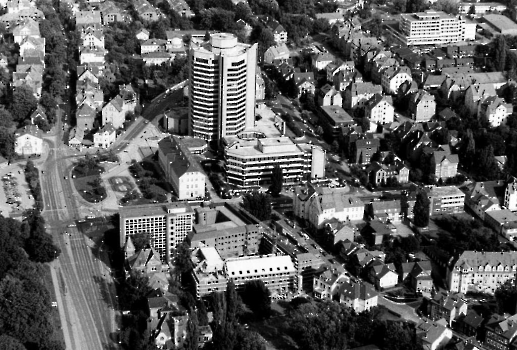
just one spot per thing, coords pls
(421, 209)
(258, 204)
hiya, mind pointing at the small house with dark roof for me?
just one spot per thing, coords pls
(447, 305)
(471, 323)
(305, 82)
(418, 274)
(360, 296)
(375, 231)
(382, 275)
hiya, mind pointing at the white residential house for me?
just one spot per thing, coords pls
(32, 46)
(91, 55)
(327, 203)
(28, 141)
(380, 109)
(394, 77)
(329, 96)
(279, 52)
(29, 28)
(92, 38)
(495, 110)
(105, 137)
(142, 34)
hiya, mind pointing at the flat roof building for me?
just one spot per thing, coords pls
(230, 242)
(501, 24)
(434, 28)
(167, 225)
(211, 273)
(250, 163)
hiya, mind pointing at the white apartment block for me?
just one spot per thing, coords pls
(222, 87)
(481, 271)
(434, 28)
(167, 225)
(250, 162)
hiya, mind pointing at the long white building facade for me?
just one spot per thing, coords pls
(434, 28)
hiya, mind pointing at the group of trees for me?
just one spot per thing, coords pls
(258, 204)
(228, 333)
(25, 303)
(329, 325)
(32, 178)
(462, 234)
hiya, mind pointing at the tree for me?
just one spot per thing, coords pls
(6, 119)
(277, 181)
(141, 241)
(134, 292)
(23, 103)
(399, 6)
(258, 204)
(191, 340)
(506, 297)
(258, 298)
(6, 143)
(247, 340)
(9, 343)
(39, 245)
(182, 263)
(421, 209)
(501, 49)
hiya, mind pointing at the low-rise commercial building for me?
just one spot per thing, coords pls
(250, 162)
(445, 200)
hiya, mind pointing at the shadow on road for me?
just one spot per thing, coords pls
(104, 288)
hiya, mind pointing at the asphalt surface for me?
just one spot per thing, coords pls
(85, 291)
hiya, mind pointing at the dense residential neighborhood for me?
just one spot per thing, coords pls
(257, 174)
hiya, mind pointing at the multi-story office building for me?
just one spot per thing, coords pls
(167, 225)
(222, 87)
(230, 242)
(481, 271)
(211, 273)
(434, 28)
(445, 200)
(250, 162)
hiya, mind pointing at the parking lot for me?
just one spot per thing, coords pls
(15, 196)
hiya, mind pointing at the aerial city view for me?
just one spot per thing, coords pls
(258, 175)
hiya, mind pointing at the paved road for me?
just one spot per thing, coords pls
(406, 312)
(85, 291)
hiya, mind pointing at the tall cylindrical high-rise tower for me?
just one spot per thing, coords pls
(222, 87)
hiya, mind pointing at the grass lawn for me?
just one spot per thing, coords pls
(54, 316)
(85, 183)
